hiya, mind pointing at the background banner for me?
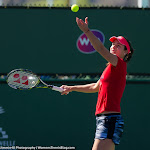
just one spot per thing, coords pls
(36, 38)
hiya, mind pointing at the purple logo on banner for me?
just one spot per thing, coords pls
(85, 46)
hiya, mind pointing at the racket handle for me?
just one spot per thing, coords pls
(56, 88)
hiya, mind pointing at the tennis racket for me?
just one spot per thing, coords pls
(24, 79)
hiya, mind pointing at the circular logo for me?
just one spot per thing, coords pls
(85, 46)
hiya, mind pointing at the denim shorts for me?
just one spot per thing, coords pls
(109, 126)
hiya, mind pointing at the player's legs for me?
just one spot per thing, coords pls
(109, 128)
(106, 144)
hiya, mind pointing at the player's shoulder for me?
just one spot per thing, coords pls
(120, 60)
(121, 65)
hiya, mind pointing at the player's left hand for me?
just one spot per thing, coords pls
(82, 25)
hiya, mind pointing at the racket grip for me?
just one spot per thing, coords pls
(56, 88)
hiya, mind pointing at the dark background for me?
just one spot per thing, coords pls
(44, 41)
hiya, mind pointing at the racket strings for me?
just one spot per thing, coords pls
(22, 80)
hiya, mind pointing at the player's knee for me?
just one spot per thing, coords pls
(106, 144)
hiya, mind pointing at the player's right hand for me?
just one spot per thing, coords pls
(67, 89)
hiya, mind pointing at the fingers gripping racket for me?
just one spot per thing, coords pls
(25, 79)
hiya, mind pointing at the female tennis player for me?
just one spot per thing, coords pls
(110, 88)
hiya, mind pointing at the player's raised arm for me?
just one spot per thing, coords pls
(97, 44)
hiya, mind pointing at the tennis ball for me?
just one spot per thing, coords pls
(74, 7)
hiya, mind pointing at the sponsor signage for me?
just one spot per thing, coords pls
(85, 46)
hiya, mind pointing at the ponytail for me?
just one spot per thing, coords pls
(128, 56)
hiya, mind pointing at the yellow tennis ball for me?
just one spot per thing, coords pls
(74, 7)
